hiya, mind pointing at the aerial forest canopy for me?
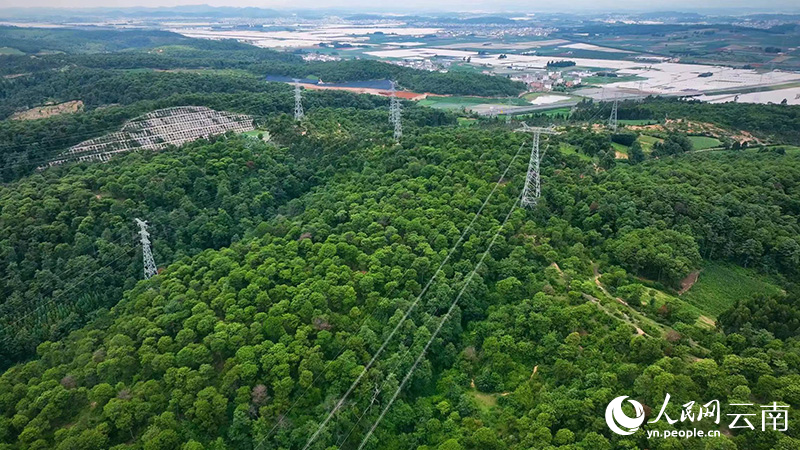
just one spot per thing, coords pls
(288, 255)
(215, 350)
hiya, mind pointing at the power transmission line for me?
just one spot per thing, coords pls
(407, 312)
(439, 327)
(53, 299)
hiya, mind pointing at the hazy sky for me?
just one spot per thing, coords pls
(453, 5)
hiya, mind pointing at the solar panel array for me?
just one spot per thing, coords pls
(157, 130)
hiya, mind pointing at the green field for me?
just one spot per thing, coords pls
(484, 401)
(569, 149)
(620, 148)
(720, 285)
(10, 51)
(456, 102)
(648, 142)
(704, 142)
(606, 80)
(560, 111)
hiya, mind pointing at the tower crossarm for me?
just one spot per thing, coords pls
(525, 128)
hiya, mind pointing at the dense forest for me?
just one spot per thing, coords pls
(323, 252)
(225, 344)
(780, 123)
(212, 194)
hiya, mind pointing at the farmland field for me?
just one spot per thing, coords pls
(455, 102)
(606, 80)
(620, 148)
(704, 142)
(721, 285)
(648, 142)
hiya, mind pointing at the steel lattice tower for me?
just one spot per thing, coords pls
(298, 101)
(612, 119)
(533, 183)
(147, 253)
(395, 115)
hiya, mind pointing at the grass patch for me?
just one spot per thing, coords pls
(456, 102)
(620, 148)
(704, 142)
(557, 111)
(484, 401)
(720, 285)
(465, 121)
(569, 149)
(647, 142)
(10, 51)
(790, 149)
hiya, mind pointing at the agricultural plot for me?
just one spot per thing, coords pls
(607, 80)
(620, 149)
(721, 285)
(648, 142)
(557, 112)
(457, 103)
(704, 142)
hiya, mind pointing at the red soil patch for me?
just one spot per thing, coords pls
(689, 281)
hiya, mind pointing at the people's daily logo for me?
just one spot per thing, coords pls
(774, 417)
(618, 421)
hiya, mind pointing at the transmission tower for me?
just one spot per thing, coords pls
(147, 254)
(612, 119)
(395, 116)
(298, 101)
(533, 184)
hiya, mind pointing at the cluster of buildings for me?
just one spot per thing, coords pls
(422, 64)
(316, 56)
(547, 80)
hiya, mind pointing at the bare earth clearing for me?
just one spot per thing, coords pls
(41, 112)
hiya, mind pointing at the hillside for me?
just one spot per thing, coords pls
(249, 346)
(324, 284)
